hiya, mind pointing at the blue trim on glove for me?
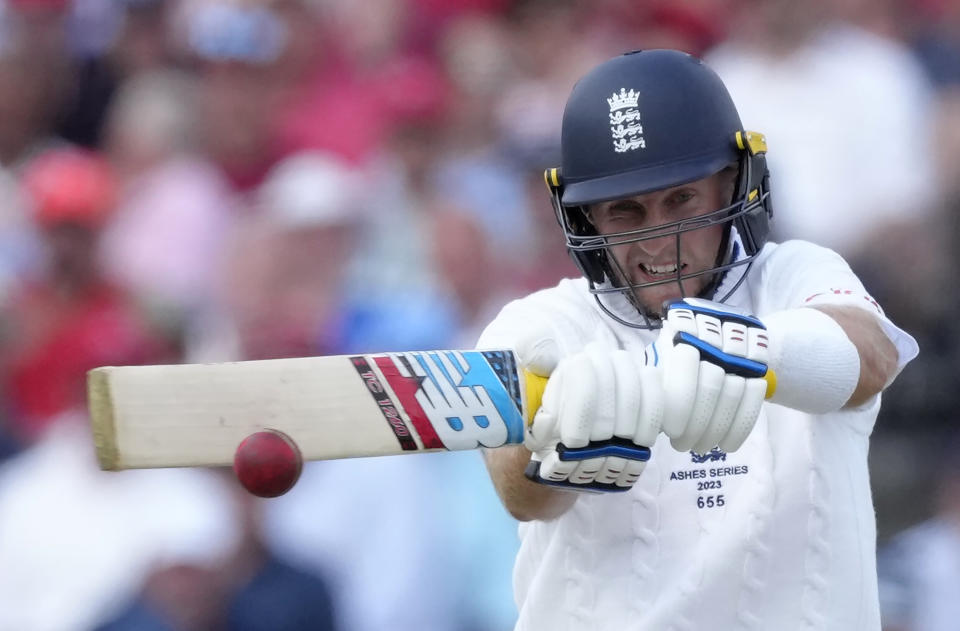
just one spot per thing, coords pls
(730, 363)
(619, 447)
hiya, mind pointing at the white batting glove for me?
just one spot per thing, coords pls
(601, 411)
(714, 358)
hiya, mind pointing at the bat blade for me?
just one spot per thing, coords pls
(332, 407)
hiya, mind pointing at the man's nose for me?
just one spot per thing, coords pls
(654, 246)
(658, 240)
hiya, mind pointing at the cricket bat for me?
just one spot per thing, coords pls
(342, 406)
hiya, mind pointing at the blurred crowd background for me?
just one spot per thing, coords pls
(215, 180)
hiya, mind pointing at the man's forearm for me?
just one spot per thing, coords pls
(878, 355)
(523, 499)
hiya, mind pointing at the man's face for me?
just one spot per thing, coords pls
(656, 259)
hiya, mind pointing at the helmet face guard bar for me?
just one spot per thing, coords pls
(591, 251)
(616, 279)
(602, 243)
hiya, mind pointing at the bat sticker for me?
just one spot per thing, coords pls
(457, 399)
(389, 410)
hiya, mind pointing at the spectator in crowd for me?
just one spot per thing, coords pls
(694, 27)
(19, 238)
(481, 172)
(932, 28)
(251, 589)
(285, 275)
(78, 542)
(396, 295)
(33, 83)
(361, 77)
(472, 274)
(144, 40)
(234, 49)
(531, 105)
(832, 100)
(920, 568)
(175, 210)
(71, 319)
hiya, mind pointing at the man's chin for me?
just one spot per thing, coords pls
(651, 299)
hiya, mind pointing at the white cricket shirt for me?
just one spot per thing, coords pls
(777, 535)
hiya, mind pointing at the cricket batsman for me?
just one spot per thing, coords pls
(700, 457)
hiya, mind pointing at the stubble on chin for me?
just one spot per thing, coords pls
(650, 300)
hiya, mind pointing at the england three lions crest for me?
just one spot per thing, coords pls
(625, 127)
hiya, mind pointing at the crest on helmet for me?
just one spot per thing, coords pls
(625, 124)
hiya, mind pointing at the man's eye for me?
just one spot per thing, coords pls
(683, 196)
(623, 213)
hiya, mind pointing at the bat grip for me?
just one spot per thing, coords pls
(533, 386)
(771, 378)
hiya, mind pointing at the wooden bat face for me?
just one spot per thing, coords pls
(332, 407)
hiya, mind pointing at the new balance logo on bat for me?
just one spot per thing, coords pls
(452, 399)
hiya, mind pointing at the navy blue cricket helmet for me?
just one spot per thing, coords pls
(645, 121)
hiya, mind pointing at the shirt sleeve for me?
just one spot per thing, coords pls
(559, 313)
(800, 274)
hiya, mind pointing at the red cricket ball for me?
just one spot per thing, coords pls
(267, 463)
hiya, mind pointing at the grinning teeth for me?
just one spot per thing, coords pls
(660, 269)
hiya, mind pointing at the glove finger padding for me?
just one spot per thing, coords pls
(553, 469)
(587, 471)
(748, 411)
(709, 329)
(631, 473)
(611, 470)
(758, 345)
(537, 353)
(681, 372)
(543, 432)
(579, 397)
(709, 385)
(736, 339)
(650, 416)
(564, 412)
(627, 397)
(723, 413)
(608, 385)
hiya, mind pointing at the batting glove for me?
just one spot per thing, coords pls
(601, 411)
(714, 359)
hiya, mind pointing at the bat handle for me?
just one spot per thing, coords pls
(771, 378)
(533, 389)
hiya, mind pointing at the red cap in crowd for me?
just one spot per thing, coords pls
(70, 185)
